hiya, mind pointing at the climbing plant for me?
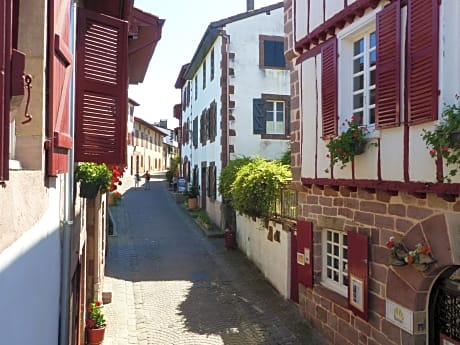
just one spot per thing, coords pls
(228, 175)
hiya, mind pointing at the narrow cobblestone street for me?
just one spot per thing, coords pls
(173, 285)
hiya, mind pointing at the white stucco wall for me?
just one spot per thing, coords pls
(30, 282)
(271, 257)
(251, 81)
(421, 165)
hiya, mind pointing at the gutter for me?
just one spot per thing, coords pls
(67, 222)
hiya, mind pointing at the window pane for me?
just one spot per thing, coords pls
(336, 263)
(329, 273)
(372, 40)
(270, 116)
(329, 260)
(336, 250)
(280, 106)
(279, 116)
(329, 235)
(358, 83)
(358, 46)
(358, 65)
(336, 237)
(359, 118)
(345, 280)
(372, 58)
(358, 100)
(329, 246)
(372, 97)
(336, 276)
(345, 240)
(372, 115)
(269, 106)
(372, 78)
(345, 253)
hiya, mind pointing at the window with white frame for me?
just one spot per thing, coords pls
(275, 119)
(335, 261)
(357, 88)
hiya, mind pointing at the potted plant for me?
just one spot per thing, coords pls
(444, 141)
(350, 143)
(192, 195)
(92, 177)
(95, 323)
(115, 198)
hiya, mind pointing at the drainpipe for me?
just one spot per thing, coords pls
(67, 222)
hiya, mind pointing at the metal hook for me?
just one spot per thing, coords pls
(28, 86)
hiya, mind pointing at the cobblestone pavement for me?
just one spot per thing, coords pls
(172, 285)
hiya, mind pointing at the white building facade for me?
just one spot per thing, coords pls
(235, 99)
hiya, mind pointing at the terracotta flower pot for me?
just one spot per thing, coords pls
(192, 203)
(95, 335)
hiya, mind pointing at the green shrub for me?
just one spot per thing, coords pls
(257, 187)
(286, 158)
(228, 175)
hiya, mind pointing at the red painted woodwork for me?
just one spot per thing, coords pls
(59, 76)
(329, 87)
(294, 293)
(441, 189)
(101, 90)
(422, 60)
(5, 55)
(305, 249)
(388, 69)
(348, 14)
(358, 273)
(18, 64)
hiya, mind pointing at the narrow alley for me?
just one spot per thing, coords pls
(171, 284)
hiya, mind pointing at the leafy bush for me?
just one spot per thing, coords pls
(257, 187)
(228, 175)
(286, 158)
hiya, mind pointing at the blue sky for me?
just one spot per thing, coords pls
(186, 22)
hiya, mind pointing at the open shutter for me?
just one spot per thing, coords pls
(195, 132)
(422, 69)
(102, 87)
(5, 54)
(305, 253)
(388, 69)
(258, 116)
(358, 273)
(59, 141)
(329, 87)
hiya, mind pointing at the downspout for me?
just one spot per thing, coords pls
(68, 197)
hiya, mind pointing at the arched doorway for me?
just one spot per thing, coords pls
(444, 308)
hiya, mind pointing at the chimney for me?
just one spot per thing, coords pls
(250, 5)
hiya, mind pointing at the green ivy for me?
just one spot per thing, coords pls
(228, 175)
(257, 187)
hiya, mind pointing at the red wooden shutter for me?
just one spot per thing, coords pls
(60, 73)
(5, 55)
(388, 69)
(101, 90)
(358, 273)
(305, 252)
(329, 87)
(422, 69)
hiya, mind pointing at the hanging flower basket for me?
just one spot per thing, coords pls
(89, 190)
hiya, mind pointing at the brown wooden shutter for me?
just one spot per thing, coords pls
(422, 66)
(60, 72)
(388, 69)
(5, 56)
(305, 251)
(329, 87)
(101, 90)
(358, 273)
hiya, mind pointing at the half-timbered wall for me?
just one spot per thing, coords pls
(390, 190)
